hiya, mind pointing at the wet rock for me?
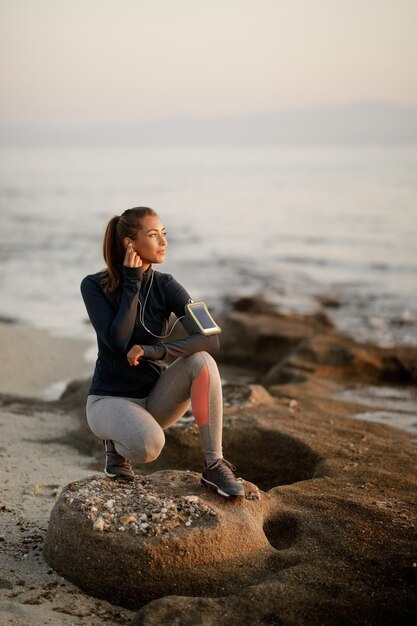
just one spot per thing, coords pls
(399, 367)
(323, 319)
(281, 347)
(282, 375)
(330, 300)
(254, 304)
(241, 395)
(260, 339)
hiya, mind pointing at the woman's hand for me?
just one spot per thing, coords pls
(134, 354)
(132, 259)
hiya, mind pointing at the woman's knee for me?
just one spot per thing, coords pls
(147, 449)
(200, 359)
(154, 446)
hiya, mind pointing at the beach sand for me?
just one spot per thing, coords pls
(36, 463)
(37, 364)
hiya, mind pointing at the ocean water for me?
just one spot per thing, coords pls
(290, 222)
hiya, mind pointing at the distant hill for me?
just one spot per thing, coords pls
(371, 122)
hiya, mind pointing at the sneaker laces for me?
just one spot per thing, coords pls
(223, 466)
(124, 463)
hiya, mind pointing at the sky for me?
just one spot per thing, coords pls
(72, 61)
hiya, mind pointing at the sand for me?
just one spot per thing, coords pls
(36, 463)
(36, 364)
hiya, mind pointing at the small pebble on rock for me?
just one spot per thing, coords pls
(99, 524)
(128, 519)
(192, 498)
(112, 506)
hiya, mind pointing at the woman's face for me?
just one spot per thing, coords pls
(151, 242)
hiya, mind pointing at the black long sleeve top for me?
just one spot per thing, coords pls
(116, 319)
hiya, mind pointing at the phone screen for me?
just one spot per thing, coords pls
(202, 318)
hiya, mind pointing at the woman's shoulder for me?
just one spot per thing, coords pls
(92, 281)
(171, 287)
(165, 280)
(162, 277)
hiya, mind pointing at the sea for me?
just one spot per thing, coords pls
(291, 223)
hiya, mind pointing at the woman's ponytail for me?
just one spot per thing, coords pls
(112, 252)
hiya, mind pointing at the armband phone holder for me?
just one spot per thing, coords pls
(199, 316)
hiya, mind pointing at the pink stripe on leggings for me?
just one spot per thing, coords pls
(200, 397)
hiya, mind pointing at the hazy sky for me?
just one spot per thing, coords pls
(122, 60)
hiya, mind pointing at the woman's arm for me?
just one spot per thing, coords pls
(196, 342)
(177, 298)
(114, 329)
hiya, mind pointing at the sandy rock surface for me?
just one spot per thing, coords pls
(159, 535)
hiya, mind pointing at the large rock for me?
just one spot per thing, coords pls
(279, 346)
(259, 339)
(160, 535)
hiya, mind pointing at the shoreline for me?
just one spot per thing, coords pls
(38, 364)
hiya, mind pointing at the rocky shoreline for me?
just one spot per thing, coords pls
(329, 538)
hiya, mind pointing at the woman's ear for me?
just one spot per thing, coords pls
(126, 242)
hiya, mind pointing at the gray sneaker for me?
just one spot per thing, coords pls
(220, 478)
(115, 465)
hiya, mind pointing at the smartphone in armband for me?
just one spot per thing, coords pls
(199, 316)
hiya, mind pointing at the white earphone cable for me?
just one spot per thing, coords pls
(142, 314)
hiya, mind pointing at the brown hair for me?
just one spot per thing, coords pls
(119, 227)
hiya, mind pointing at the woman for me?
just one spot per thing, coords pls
(133, 396)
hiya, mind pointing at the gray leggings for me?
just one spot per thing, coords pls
(136, 425)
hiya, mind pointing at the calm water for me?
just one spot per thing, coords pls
(288, 222)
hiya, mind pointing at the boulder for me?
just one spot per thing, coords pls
(159, 535)
(260, 340)
(281, 347)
